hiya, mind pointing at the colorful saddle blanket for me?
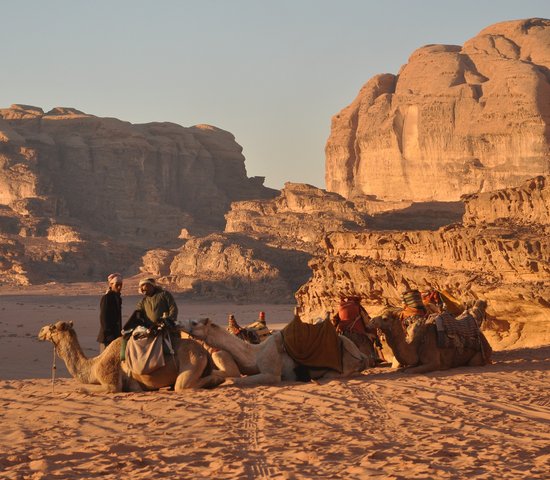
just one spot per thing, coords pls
(260, 329)
(462, 333)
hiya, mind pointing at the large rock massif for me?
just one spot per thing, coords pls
(454, 120)
(81, 194)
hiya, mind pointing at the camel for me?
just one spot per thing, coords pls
(417, 349)
(223, 361)
(188, 369)
(268, 363)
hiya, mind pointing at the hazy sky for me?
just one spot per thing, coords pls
(273, 73)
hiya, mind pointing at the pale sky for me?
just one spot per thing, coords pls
(272, 73)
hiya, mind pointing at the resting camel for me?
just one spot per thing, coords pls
(418, 351)
(268, 362)
(188, 369)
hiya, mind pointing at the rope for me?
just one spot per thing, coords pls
(54, 368)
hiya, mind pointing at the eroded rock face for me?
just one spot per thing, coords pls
(73, 184)
(264, 251)
(506, 263)
(454, 121)
(120, 178)
(230, 267)
(528, 203)
(299, 217)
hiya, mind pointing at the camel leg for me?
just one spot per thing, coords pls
(189, 377)
(225, 364)
(211, 381)
(429, 367)
(258, 379)
(131, 385)
(476, 360)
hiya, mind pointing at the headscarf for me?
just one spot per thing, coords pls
(114, 278)
(150, 281)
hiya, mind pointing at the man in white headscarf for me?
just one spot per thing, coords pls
(110, 312)
(157, 303)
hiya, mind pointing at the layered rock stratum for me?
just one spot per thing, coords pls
(500, 253)
(80, 194)
(455, 120)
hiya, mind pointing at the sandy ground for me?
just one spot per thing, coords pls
(489, 422)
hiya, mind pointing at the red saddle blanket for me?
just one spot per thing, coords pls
(315, 346)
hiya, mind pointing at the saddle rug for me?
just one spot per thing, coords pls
(465, 326)
(462, 333)
(315, 346)
(144, 354)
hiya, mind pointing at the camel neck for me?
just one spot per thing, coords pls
(69, 350)
(404, 352)
(243, 353)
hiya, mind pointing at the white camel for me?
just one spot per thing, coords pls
(268, 362)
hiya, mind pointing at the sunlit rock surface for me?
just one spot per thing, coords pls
(504, 259)
(454, 120)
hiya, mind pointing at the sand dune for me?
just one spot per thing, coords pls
(488, 422)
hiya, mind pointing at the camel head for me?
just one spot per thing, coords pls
(385, 320)
(199, 328)
(55, 331)
(478, 309)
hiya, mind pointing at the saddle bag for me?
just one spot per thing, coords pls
(144, 352)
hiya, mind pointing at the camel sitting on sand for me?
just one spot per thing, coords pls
(418, 351)
(188, 369)
(268, 362)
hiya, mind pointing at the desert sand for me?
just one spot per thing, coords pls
(488, 422)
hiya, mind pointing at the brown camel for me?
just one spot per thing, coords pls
(188, 369)
(417, 350)
(268, 362)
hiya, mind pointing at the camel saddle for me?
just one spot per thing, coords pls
(314, 346)
(144, 352)
(260, 329)
(463, 333)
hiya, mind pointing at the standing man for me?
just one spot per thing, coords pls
(110, 312)
(157, 303)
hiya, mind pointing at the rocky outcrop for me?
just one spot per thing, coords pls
(80, 186)
(231, 267)
(528, 203)
(506, 263)
(119, 178)
(300, 217)
(454, 121)
(264, 251)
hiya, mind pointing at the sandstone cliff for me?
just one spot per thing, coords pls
(299, 217)
(263, 254)
(76, 186)
(230, 267)
(505, 262)
(455, 120)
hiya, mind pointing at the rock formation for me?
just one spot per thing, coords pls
(503, 260)
(455, 120)
(299, 217)
(265, 249)
(75, 186)
(230, 267)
